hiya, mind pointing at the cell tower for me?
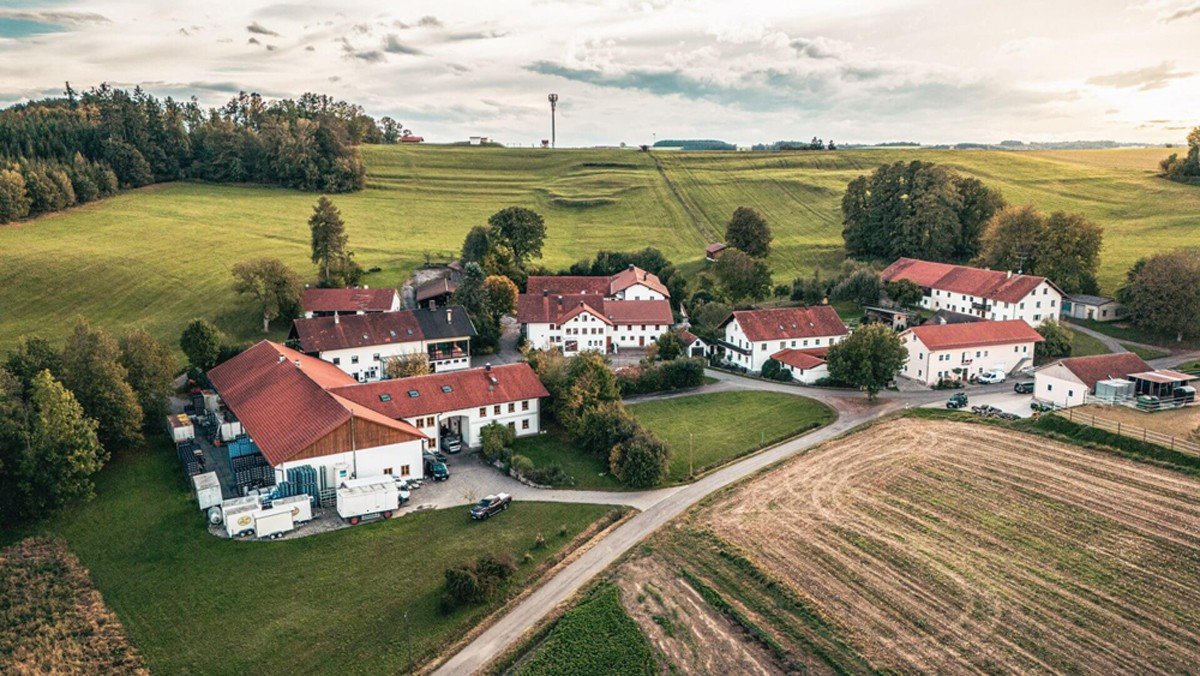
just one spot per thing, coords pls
(553, 106)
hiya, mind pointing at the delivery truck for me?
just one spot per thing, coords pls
(367, 498)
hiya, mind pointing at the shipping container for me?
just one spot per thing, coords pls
(273, 522)
(358, 498)
(208, 489)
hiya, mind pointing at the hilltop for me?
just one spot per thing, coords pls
(159, 256)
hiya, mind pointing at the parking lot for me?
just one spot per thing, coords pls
(1007, 401)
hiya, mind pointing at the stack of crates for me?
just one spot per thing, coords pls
(198, 404)
(302, 480)
(192, 463)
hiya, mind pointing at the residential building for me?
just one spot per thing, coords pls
(361, 344)
(460, 403)
(806, 366)
(1068, 382)
(988, 294)
(693, 345)
(284, 402)
(1095, 308)
(328, 302)
(961, 351)
(578, 313)
(752, 336)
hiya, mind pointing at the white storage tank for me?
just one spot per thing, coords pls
(181, 428)
(239, 514)
(208, 489)
(301, 506)
(273, 522)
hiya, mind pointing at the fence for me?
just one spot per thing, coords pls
(1132, 431)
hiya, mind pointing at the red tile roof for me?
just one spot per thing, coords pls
(319, 334)
(688, 337)
(634, 275)
(567, 285)
(800, 359)
(554, 309)
(639, 311)
(953, 336)
(580, 308)
(715, 248)
(469, 389)
(991, 284)
(281, 398)
(789, 322)
(1091, 370)
(348, 300)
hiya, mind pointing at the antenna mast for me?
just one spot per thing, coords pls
(553, 107)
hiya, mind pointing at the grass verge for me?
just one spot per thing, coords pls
(554, 448)
(1145, 352)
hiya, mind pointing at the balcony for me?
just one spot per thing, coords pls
(449, 350)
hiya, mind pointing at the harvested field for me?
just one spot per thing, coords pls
(52, 620)
(922, 545)
(1181, 422)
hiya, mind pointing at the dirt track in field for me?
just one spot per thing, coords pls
(958, 547)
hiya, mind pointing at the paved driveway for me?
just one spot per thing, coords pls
(1009, 401)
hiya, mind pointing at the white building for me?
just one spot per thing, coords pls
(959, 351)
(693, 345)
(458, 404)
(989, 294)
(361, 344)
(751, 337)
(1068, 382)
(1095, 308)
(285, 405)
(578, 313)
(806, 366)
(328, 302)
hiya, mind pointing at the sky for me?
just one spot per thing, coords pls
(633, 71)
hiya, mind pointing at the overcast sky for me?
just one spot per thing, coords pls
(933, 71)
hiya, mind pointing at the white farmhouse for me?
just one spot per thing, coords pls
(959, 351)
(361, 344)
(989, 294)
(460, 403)
(284, 401)
(1068, 382)
(328, 302)
(751, 337)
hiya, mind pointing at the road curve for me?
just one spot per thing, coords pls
(570, 579)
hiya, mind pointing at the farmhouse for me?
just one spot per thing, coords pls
(959, 351)
(284, 401)
(577, 313)
(806, 366)
(328, 302)
(1068, 382)
(458, 404)
(1095, 308)
(989, 294)
(361, 344)
(751, 337)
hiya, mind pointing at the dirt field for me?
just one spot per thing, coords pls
(1183, 422)
(51, 618)
(939, 546)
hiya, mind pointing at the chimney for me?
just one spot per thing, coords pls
(941, 320)
(336, 320)
(365, 287)
(545, 292)
(488, 367)
(282, 359)
(449, 316)
(1009, 275)
(297, 363)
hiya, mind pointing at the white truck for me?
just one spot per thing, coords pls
(273, 522)
(367, 498)
(208, 489)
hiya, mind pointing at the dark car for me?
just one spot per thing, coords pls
(436, 469)
(1023, 387)
(1040, 407)
(490, 505)
(957, 400)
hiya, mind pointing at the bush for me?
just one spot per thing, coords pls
(476, 581)
(497, 439)
(604, 427)
(550, 475)
(661, 376)
(522, 464)
(641, 461)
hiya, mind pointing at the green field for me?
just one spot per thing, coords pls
(720, 426)
(330, 603)
(159, 256)
(555, 448)
(1083, 345)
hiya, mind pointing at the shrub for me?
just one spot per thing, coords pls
(604, 427)
(497, 440)
(660, 376)
(476, 581)
(641, 461)
(522, 464)
(550, 475)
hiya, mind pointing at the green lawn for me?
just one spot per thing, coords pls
(720, 426)
(1145, 352)
(1083, 345)
(160, 256)
(332, 602)
(597, 636)
(1127, 332)
(553, 447)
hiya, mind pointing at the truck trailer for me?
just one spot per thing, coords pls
(300, 505)
(367, 498)
(239, 515)
(273, 522)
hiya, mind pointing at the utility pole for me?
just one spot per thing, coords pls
(691, 454)
(553, 107)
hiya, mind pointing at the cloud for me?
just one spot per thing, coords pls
(367, 55)
(473, 35)
(55, 17)
(392, 45)
(429, 21)
(1181, 13)
(259, 29)
(253, 41)
(818, 48)
(1145, 79)
(310, 48)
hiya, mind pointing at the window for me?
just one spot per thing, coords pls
(354, 359)
(920, 355)
(525, 424)
(483, 412)
(337, 360)
(430, 421)
(496, 409)
(413, 394)
(764, 346)
(512, 426)
(1070, 393)
(512, 407)
(385, 397)
(404, 470)
(782, 344)
(1049, 387)
(446, 389)
(525, 405)
(376, 356)
(433, 442)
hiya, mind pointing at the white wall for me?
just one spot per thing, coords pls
(928, 366)
(637, 335)
(640, 292)
(526, 421)
(1055, 384)
(369, 461)
(368, 368)
(808, 376)
(1042, 303)
(761, 351)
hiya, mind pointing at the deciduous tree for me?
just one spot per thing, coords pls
(1062, 247)
(522, 231)
(150, 369)
(64, 450)
(1162, 293)
(92, 370)
(748, 231)
(869, 359)
(407, 366)
(641, 461)
(499, 297)
(274, 286)
(201, 343)
(1057, 340)
(742, 277)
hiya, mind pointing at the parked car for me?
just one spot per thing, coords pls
(1040, 407)
(992, 377)
(1023, 387)
(490, 505)
(452, 444)
(436, 469)
(957, 400)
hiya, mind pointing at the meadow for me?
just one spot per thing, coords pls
(160, 256)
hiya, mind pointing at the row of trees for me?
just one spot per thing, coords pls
(57, 152)
(1185, 169)
(63, 413)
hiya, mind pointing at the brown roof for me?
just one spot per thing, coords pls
(800, 359)
(715, 248)
(319, 334)
(991, 284)
(1164, 376)
(789, 322)
(635, 275)
(348, 300)
(688, 337)
(281, 398)
(567, 285)
(952, 336)
(437, 287)
(467, 389)
(1091, 370)
(555, 309)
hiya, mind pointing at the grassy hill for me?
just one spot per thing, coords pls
(160, 256)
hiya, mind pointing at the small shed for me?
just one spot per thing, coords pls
(713, 251)
(1094, 308)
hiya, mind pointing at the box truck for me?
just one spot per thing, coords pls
(273, 522)
(208, 489)
(300, 505)
(367, 498)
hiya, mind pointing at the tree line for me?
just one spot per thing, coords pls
(61, 151)
(1184, 169)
